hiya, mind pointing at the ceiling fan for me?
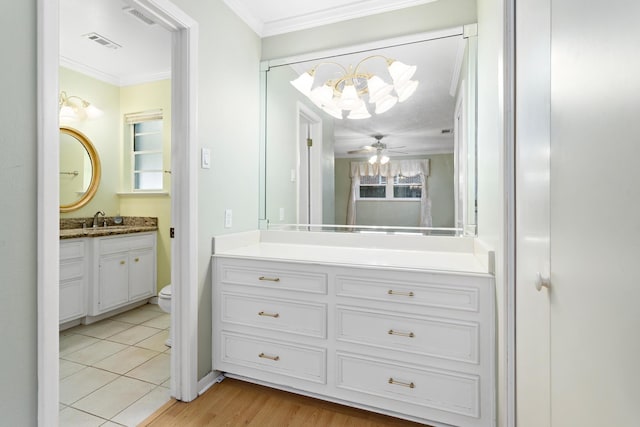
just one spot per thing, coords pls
(379, 149)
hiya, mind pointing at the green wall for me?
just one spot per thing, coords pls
(400, 213)
(19, 225)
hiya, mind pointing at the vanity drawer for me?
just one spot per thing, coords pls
(443, 296)
(71, 270)
(109, 245)
(435, 337)
(70, 250)
(294, 361)
(271, 276)
(279, 315)
(414, 389)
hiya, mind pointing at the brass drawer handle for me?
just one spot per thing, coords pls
(137, 260)
(402, 334)
(266, 356)
(405, 294)
(262, 313)
(122, 262)
(269, 279)
(403, 384)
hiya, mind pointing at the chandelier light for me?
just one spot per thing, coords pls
(73, 108)
(345, 96)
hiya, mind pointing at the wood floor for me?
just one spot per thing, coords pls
(238, 403)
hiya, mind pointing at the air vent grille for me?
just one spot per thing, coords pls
(446, 131)
(101, 40)
(137, 14)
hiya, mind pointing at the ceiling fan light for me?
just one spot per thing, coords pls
(359, 113)
(401, 73)
(385, 104)
(378, 89)
(303, 83)
(349, 100)
(373, 159)
(384, 159)
(407, 89)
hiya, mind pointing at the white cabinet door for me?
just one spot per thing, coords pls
(141, 273)
(114, 280)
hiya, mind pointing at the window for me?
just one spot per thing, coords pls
(146, 153)
(399, 187)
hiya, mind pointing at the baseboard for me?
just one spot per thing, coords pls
(208, 380)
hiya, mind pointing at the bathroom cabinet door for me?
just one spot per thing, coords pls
(113, 280)
(141, 273)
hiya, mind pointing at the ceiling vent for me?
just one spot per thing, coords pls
(103, 41)
(446, 131)
(137, 14)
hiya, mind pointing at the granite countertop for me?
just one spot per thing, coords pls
(72, 228)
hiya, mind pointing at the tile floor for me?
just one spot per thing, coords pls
(115, 372)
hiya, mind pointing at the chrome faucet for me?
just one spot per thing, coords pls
(95, 218)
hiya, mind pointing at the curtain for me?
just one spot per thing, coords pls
(389, 170)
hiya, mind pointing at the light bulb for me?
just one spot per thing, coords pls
(407, 89)
(400, 72)
(349, 100)
(322, 95)
(359, 113)
(384, 159)
(378, 89)
(303, 83)
(385, 104)
(333, 110)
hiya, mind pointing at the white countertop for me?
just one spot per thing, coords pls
(385, 252)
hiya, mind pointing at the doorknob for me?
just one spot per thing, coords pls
(542, 282)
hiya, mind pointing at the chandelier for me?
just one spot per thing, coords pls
(72, 108)
(345, 95)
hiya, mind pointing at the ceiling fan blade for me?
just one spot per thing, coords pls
(396, 152)
(397, 146)
(365, 149)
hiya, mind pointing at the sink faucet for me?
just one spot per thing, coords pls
(95, 218)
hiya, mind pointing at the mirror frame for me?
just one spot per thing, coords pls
(95, 170)
(468, 31)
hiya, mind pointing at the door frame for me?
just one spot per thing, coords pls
(184, 162)
(314, 183)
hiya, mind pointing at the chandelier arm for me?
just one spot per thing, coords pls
(313, 70)
(387, 60)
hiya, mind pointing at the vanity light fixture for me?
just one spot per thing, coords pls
(344, 95)
(73, 108)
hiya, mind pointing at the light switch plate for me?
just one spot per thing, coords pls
(206, 158)
(228, 218)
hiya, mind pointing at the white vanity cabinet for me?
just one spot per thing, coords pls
(412, 343)
(124, 271)
(73, 279)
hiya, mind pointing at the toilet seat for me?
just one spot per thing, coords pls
(165, 292)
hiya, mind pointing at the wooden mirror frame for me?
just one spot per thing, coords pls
(95, 170)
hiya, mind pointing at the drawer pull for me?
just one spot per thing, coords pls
(122, 262)
(269, 279)
(405, 294)
(403, 384)
(262, 313)
(402, 334)
(137, 260)
(266, 356)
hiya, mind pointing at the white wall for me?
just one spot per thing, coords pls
(18, 227)
(228, 116)
(491, 164)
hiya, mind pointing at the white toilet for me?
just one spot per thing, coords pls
(164, 301)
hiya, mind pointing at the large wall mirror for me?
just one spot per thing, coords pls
(79, 169)
(318, 169)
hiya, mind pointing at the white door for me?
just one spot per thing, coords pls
(593, 319)
(309, 167)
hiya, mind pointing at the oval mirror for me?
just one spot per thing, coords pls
(79, 169)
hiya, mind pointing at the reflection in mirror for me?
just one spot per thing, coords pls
(409, 168)
(79, 169)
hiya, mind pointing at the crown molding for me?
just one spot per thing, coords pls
(110, 78)
(356, 9)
